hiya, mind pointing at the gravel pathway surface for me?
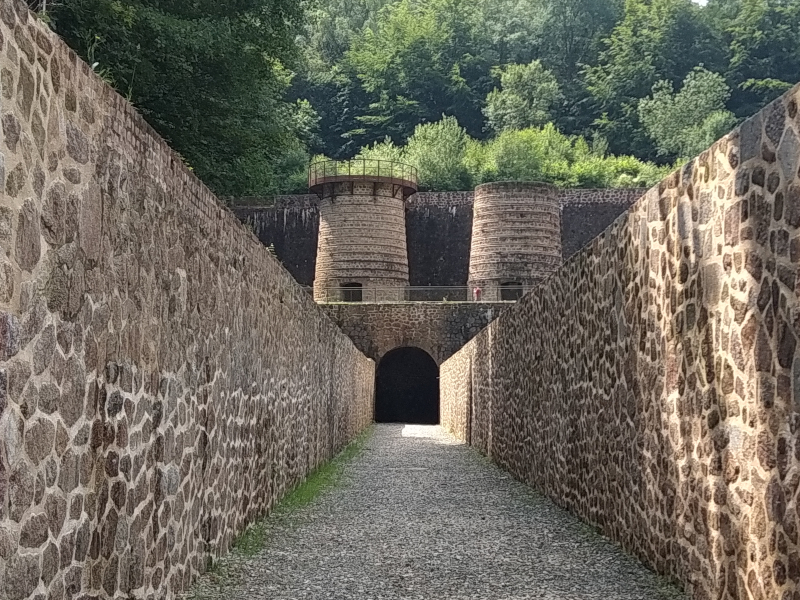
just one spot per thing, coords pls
(418, 515)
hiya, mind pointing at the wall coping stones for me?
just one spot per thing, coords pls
(622, 196)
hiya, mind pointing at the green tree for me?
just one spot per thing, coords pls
(507, 31)
(547, 155)
(571, 33)
(762, 37)
(438, 151)
(332, 25)
(209, 75)
(525, 98)
(385, 150)
(686, 122)
(409, 66)
(656, 40)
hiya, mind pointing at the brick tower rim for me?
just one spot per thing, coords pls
(324, 175)
(530, 185)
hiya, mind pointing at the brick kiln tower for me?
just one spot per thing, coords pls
(516, 238)
(361, 252)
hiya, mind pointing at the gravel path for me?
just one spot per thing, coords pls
(420, 516)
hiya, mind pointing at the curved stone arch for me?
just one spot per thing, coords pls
(436, 352)
(438, 328)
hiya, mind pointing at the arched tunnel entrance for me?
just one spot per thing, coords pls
(407, 388)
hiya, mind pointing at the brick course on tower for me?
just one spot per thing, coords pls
(516, 237)
(362, 232)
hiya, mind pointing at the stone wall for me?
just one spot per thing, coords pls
(439, 234)
(516, 237)
(438, 229)
(439, 328)
(652, 385)
(589, 197)
(292, 232)
(585, 214)
(163, 381)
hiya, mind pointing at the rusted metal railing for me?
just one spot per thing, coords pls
(415, 294)
(363, 169)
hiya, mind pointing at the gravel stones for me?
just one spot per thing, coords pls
(419, 516)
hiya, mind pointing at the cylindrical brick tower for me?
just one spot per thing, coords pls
(361, 251)
(516, 238)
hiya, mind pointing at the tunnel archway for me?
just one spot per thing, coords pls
(407, 387)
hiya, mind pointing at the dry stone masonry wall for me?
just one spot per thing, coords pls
(163, 381)
(652, 385)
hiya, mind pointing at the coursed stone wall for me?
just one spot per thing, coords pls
(585, 214)
(652, 385)
(163, 381)
(439, 234)
(439, 328)
(291, 232)
(589, 197)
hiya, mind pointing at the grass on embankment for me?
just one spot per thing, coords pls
(226, 570)
(325, 477)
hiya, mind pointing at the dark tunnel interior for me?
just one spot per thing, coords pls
(407, 388)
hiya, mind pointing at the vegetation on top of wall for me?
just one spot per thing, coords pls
(248, 90)
(448, 159)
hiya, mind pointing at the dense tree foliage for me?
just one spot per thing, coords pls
(447, 158)
(525, 99)
(687, 122)
(647, 80)
(209, 75)
(577, 92)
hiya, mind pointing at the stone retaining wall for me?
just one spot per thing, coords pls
(292, 233)
(439, 328)
(620, 196)
(652, 385)
(163, 381)
(438, 229)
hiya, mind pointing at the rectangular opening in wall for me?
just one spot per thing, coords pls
(352, 292)
(510, 291)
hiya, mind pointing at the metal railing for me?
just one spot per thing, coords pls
(323, 172)
(331, 295)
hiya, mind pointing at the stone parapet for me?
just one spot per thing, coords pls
(589, 196)
(621, 196)
(441, 199)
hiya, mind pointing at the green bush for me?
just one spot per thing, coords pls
(448, 159)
